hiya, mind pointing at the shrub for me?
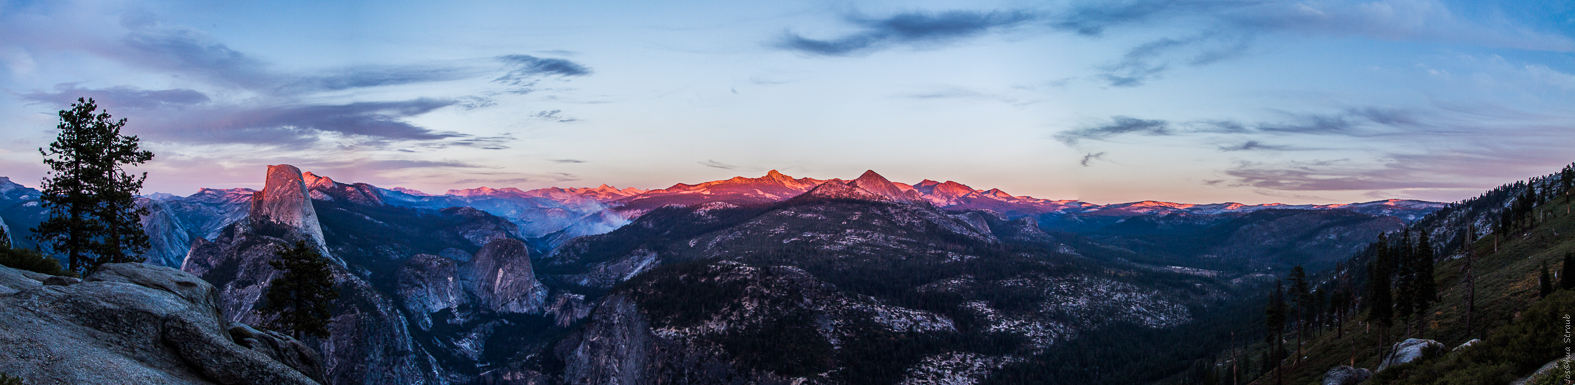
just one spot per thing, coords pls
(31, 260)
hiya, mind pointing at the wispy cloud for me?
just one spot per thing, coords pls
(912, 29)
(966, 93)
(1092, 156)
(716, 164)
(1252, 145)
(200, 121)
(119, 97)
(1221, 30)
(1119, 125)
(1336, 175)
(1150, 60)
(1351, 122)
(259, 105)
(553, 116)
(524, 68)
(1092, 18)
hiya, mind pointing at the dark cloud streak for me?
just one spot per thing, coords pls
(716, 164)
(1253, 145)
(1092, 156)
(523, 68)
(119, 97)
(913, 29)
(1119, 125)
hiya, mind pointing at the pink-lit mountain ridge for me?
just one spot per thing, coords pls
(557, 214)
(775, 186)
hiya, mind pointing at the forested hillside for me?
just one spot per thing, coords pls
(1486, 278)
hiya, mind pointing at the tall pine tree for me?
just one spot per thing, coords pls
(1405, 279)
(1544, 282)
(1381, 306)
(1567, 274)
(93, 217)
(1424, 287)
(1301, 293)
(1274, 319)
(299, 299)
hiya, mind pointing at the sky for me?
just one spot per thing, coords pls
(1250, 101)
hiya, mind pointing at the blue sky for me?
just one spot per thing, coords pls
(1105, 101)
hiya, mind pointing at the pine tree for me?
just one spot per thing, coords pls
(1303, 297)
(1544, 282)
(1337, 305)
(1567, 182)
(299, 298)
(1405, 279)
(1567, 274)
(1380, 307)
(93, 217)
(1425, 288)
(1274, 319)
(1470, 279)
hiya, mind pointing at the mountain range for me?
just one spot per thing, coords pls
(550, 216)
(758, 280)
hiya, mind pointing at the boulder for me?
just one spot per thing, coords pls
(1346, 375)
(1467, 344)
(1411, 349)
(134, 323)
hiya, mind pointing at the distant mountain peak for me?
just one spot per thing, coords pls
(484, 190)
(875, 183)
(314, 181)
(410, 191)
(837, 189)
(7, 185)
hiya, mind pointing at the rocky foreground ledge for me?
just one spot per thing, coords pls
(136, 324)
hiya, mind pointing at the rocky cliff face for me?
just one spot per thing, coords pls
(369, 342)
(617, 348)
(21, 210)
(501, 278)
(428, 284)
(286, 201)
(133, 323)
(498, 279)
(168, 237)
(207, 212)
(428, 296)
(5, 235)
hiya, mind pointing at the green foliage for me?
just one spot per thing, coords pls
(93, 217)
(31, 260)
(298, 300)
(1425, 286)
(1380, 310)
(1555, 376)
(27, 259)
(1567, 276)
(6, 379)
(1544, 281)
(1511, 352)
